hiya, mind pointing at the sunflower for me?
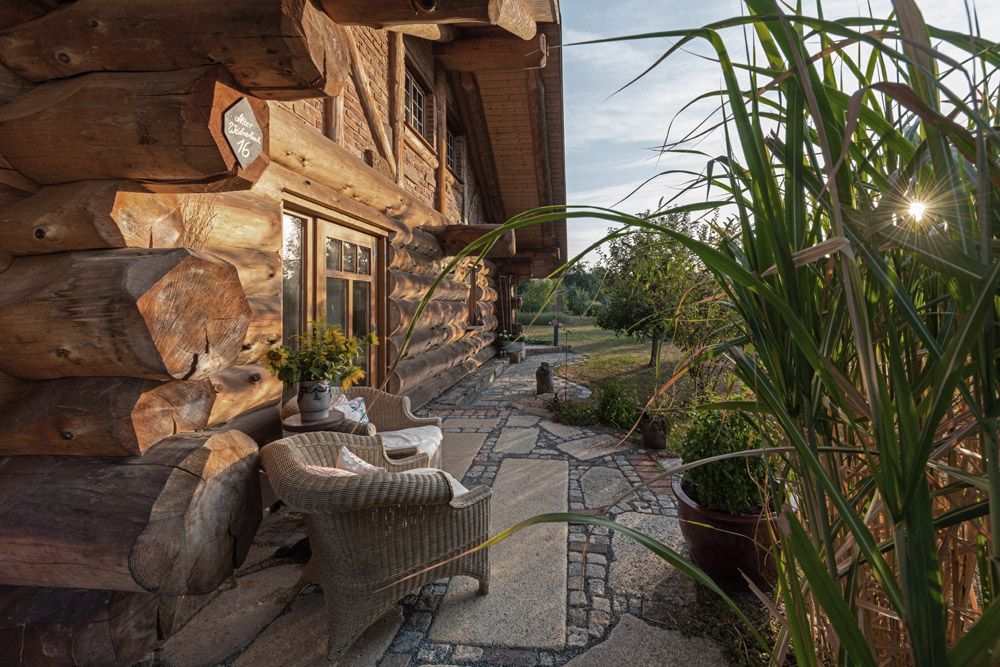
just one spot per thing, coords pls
(275, 358)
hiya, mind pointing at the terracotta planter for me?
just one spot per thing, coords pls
(726, 544)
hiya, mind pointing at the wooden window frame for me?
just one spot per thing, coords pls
(319, 222)
(413, 82)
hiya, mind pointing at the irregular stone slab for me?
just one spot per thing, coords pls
(601, 486)
(516, 440)
(522, 420)
(458, 450)
(638, 572)
(232, 619)
(526, 606)
(633, 642)
(482, 424)
(593, 447)
(560, 430)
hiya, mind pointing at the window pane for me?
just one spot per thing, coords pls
(336, 302)
(332, 254)
(350, 265)
(361, 319)
(364, 261)
(292, 283)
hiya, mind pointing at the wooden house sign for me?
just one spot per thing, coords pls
(182, 187)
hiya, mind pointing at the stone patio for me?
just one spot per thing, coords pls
(550, 603)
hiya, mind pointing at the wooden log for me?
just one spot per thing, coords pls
(240, 390)
(157, 314)
(305, 151)
(403, 285)
(11, 387)
(455, 238)
(174, 521)
(402, 311)
(164, 128)
(412, 372)
(58, 627)
(397, 99)
(493, 53)
(275, 49)
(259, 270)
(511, 15)
(433, 32)
(102, 416)
(429, 338)
(486, 294)
(264, 330)
(441, 140)
(14, 12)
(91, 214)
(405, 259)
(14, 187)
(425, 391)
(263, 426)
(234, 219)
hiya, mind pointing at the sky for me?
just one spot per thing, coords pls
(611, 137)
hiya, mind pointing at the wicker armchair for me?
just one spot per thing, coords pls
(386, 412)
(370, 531)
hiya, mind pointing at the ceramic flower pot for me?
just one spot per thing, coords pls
(314, 400)
(724, 545)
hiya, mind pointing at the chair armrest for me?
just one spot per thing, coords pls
(475, 495)
(390, 412)
(321, 448)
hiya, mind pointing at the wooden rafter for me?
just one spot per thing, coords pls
(511, 15)
(433, 32)
(480, 149)
(493, 53)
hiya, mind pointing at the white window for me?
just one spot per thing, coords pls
(414, 104)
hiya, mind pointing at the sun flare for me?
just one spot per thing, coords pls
(917, 210)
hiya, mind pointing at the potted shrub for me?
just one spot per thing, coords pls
(720, 504)
(322, 356)
(508, 342)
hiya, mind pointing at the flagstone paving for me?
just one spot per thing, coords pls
(561, 594)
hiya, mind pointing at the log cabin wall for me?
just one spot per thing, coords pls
(141, 279)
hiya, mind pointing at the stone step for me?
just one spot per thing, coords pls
(526, 606)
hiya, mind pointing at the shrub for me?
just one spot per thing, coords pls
(733, 485)
(576, 413)
(616, 404)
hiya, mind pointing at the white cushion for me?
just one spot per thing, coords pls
(427, 439)
(353, 409)
(456, 486)
(348, 461)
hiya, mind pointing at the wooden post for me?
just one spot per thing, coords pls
(397, 80)
(275, 49)
(441, 134)
(363, 87)
(176, 521)
(127, 312)
(511, 15)
(494, 53)
(159, 128)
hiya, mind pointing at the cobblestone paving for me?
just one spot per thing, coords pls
(592, 608)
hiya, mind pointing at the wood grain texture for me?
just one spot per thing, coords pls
(275, 49)
(175, 521)
(103, 416)
(125, 312)
(429, 338)
(511, 15)
(60, 627)
(91, 214)
(412, 372)
(425, 391)
(163, 128)
(403, 285)
(402, 312)
(455, 238)
(15, 12)
(264, 330)
(493, 53)
(259, 270)
(241, 390)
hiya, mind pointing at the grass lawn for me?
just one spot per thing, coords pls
(613, 357)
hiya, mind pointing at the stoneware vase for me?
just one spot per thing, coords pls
(314, 399)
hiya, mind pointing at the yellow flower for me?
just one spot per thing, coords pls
(335, 335)
(353, 376)
(275, 358)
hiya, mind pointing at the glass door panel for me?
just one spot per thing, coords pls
(338, 304)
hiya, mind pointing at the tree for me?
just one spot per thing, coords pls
(579, 285)
(656, 288)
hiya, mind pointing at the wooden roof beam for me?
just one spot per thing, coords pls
(433, 32)
(495, 53)
(511, 15)
(453, 238)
